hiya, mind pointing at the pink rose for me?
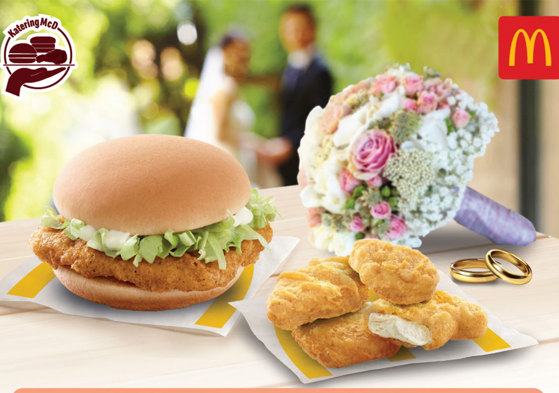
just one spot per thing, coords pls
(335, 110)
(439, 88)
(413, 84)
(357, 224)
(346, 110)
(347, 181)
(315, 220)
(410, 105)
(443, 89)
(370, 152)
(384, 84)
(314, 216)
(375, 182)
(381, 210)
(360, 86)
(397, 228)
(460, 118)
(427, 102)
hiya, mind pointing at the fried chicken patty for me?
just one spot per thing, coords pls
(344, 340)
(395, 273)
(326, 288)
(186, 273)
(448, 317)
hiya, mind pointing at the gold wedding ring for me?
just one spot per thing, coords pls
(459, 271)
(505, 274)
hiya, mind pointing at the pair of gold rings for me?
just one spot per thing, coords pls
(492, 269)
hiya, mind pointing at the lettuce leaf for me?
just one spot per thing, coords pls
(130, 248)
(52, 220)
(150, 247)
(74, 228)
(210, 242)
(263, 209)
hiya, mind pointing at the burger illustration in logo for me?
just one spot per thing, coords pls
(22, 53)
(37, 62)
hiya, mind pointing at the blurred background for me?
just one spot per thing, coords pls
(140, 64)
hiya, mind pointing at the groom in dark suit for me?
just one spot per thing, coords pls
(306, 83)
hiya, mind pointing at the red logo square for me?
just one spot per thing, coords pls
(529, 47)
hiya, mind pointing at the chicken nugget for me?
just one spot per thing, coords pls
(326, 288)
(430, 324)
(343, 341)
(394, 273)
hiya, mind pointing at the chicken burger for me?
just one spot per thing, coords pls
(153, 222)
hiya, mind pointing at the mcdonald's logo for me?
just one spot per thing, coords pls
(530, 43)
(527, 46)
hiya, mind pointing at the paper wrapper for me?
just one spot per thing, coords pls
(498, 338)
(34, 281)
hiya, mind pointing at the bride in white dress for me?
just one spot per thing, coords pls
(219, 116)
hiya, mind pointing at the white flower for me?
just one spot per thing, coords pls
(340, 243)
(310, 143)
(390, 104)
(349, 126)
(327, 185)
(455, 151)
(309, 198)
(433, 130)
(451, 140)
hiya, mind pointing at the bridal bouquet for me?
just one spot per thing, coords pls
(389, 158)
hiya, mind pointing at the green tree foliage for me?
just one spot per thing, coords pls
(12, 149)
(358, 37)
(121, 46)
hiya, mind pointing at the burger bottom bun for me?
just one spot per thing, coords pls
(44, 49)
(118, 294)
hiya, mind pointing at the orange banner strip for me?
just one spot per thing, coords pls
(291, 390)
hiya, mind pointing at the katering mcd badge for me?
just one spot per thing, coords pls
(38, 55)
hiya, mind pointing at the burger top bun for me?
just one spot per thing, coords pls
(149, 184)
(42, 39)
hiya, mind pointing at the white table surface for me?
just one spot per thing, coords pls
(43, 348)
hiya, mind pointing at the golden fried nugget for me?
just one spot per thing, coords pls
(430, 324)
(343, 341)
(326, 288)
(394, 273)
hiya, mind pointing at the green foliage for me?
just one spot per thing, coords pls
(12, 149)
(382, 226)
(355, 37)
(449, 126)
(52, 124)
(394, 203)
(348, 39)
(457, 38)
(405, 124)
